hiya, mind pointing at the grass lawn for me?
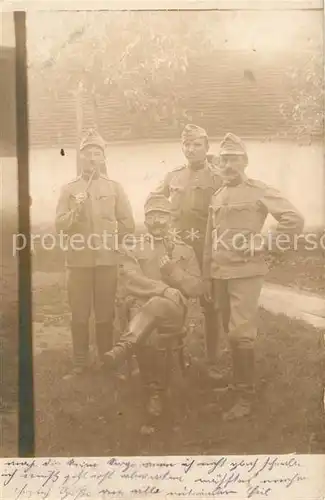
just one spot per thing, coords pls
(302, 270)
(101, 416)
(8, 342)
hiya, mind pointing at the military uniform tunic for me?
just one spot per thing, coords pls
(107, 217)
(144, 279)
(237, 215)
(190, 193)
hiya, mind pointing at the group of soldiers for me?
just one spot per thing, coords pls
(192, 219)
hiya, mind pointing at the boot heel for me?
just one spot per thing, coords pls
(117, 355)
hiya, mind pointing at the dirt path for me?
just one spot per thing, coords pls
(293, 303)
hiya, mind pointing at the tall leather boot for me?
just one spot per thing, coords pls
(138, 330)
(80, 346)
(104, 338)
(243, 381)
(211, 334)
(152, 367)
(213, 327)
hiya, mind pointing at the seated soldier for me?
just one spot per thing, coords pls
(160, 274)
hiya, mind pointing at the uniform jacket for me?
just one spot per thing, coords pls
(190, 194)
(242, 210)
(107, 216)
(143, 278)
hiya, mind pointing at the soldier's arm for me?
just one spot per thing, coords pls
(124, 213)
(289, 219)
(65, 218)
(207, 251)
(136, 282)
(185, 274)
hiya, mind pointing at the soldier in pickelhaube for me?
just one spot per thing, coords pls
(95, 213)
(190, 188)
(160, 275)
(234, 262)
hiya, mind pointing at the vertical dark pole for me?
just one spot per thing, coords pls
(26, 389)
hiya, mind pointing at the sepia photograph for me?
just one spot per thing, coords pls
(177, 245)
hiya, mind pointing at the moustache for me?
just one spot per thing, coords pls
(230, 171)
(158, 226)
(88, 161)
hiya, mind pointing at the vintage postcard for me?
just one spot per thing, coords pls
(163, 285)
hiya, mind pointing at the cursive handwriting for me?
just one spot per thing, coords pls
(200, 477)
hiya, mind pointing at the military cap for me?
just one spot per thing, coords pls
(92, 138)
(232, 145)
(192, 132)
(157, 202)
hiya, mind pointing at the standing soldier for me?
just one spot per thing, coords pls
(234, 265)
(94, 212)
(190, 188)
(160, 274)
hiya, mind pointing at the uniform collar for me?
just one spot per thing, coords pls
(236, 183)
(204, 165)
(86, 176)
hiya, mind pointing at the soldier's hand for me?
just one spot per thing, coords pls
(207, 290)
(274, 258)
(172, 294)
(252, 248)
(164, 261)
(80, 198)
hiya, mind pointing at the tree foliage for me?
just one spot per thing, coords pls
(137, 58)
(305, 108)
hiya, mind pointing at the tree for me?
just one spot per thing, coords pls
(138, 58)
(305, 109)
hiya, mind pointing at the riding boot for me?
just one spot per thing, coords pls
(213, 329)
(138, 331)
(243, 383)
(80, 346)
(211, 334)
(152, 367)
(104, 338)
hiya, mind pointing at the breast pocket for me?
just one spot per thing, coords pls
(107, 206)
(199, 198)
(243, 215)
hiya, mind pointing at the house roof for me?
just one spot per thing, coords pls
(238, 91)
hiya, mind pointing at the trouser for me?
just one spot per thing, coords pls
(160, 356)
(236, 300)
(154, 335)
(87, 287)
